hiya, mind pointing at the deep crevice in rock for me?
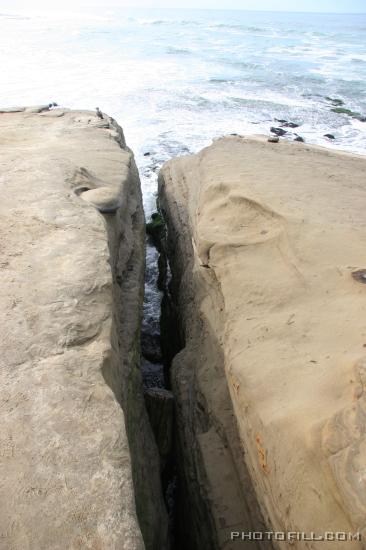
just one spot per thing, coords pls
(207, 446)
(159, 400)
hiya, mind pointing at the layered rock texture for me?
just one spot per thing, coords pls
(267, 249)
(79, 468)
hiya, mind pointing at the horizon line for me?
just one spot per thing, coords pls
(106, 6)
(228, 9)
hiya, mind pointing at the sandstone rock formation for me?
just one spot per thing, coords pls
(267, 249)
(79, 468)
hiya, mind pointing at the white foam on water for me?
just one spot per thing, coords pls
(186, 76)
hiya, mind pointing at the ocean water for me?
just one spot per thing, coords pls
(176, 79)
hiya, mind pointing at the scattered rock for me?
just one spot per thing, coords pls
(278, 131)
(155, 228)
(273, 139)
(360, 276)
(329, 136)
(338, 107)
(299, 138)
(343, 111)
(147, 154)
(286, 124)
(335, 101)
(352, 114)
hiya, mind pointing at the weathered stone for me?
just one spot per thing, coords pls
(290, 125)
(79, 466)
(270, 375)
(335, 101)
(160, 408)
(150, 346)
(278, 131)
(352, 114)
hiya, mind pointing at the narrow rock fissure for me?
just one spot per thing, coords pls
(187, 490)
(159, 399)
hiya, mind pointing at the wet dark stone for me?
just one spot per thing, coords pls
(155, 228)
(300, 139)
(335, 101)
(163, 271)
(329, 136)
(147, 154)
(151, 346)
(278, 131)
(360, 276)
(352, 114)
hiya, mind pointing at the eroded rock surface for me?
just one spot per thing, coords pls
(266, 245)
(77, 456)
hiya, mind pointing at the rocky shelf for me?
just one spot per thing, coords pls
(262, 420)
(266, 244)
(79, 465)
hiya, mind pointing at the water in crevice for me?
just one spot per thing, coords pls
(151, 363)
(155, 378)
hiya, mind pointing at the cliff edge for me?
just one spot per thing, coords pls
(266, 244)
(78, 465)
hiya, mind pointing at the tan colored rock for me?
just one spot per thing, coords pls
(267, 248)
(70, 294)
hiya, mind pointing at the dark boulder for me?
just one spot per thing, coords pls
(335, 101)
(278, 131)
(155, 228)
(151, 346)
